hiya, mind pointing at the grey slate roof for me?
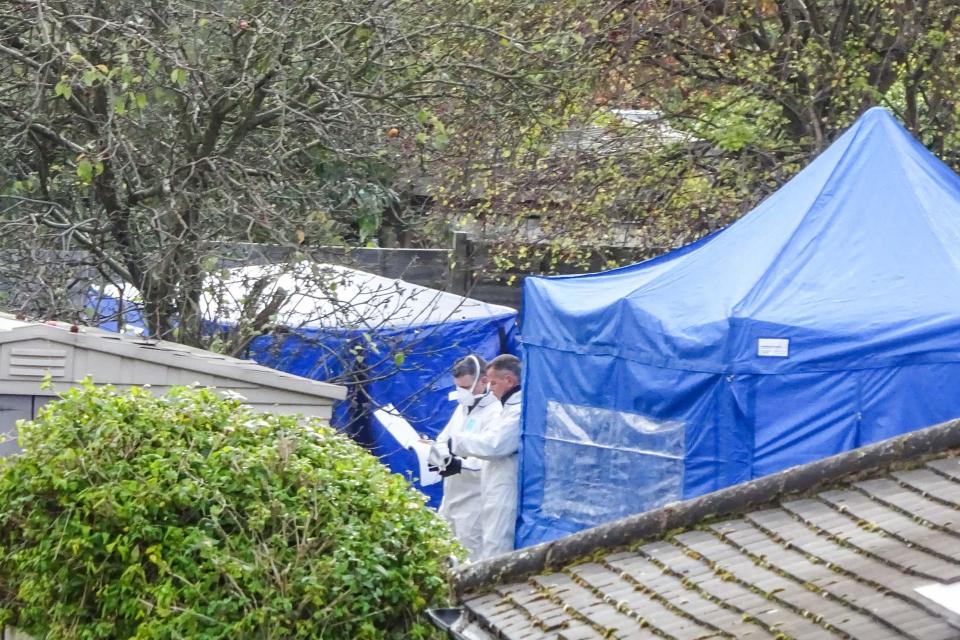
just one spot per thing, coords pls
(836, 550)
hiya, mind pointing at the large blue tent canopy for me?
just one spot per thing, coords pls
(826, 318)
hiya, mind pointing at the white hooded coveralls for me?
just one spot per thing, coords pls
(461, 492)
(494, 437)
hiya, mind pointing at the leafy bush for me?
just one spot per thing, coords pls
(190, 516)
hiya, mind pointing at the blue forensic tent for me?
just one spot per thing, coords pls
(396, 349)
(825, 319)
(390, 341)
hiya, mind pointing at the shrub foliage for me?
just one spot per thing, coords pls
(190, 516)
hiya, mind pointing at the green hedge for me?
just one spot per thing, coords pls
(190, 516)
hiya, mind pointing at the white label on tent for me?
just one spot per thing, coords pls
(773, 347)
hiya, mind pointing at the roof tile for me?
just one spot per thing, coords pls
(777, 587)
(733, 595)
(875, 516)
(949, 467)
(932, 485)
(585, 606)
(580, 631)
(890, 493)
(640, 606)
(669, 589)
(862, 577)
(841, 528)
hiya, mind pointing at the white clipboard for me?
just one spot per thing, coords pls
(407, 437)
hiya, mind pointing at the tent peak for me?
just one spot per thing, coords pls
(881, 116)
(875, 122)
(877, 112)
(861, 243)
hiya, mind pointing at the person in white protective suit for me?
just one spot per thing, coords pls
(462, 475)
(494, 437)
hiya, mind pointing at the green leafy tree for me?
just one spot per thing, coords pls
(189, 516)
(696, 111)
(149, 137)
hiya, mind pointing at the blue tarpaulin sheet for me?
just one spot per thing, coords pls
(418, 387)
(825, 319)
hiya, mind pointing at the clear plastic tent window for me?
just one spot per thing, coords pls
(602, 464)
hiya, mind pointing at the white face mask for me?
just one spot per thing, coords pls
(465, 397)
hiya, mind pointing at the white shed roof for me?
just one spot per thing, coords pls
(152, 353)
